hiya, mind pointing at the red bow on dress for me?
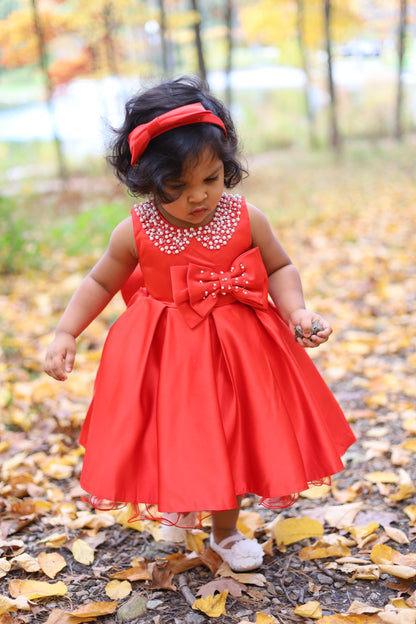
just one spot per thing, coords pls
(198, 289)
(140, 137)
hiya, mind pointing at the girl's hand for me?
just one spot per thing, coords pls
(304, 319)
(60, 356)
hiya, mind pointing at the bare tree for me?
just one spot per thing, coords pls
(334, 132)
(401, 45)
(49, 89)
(229, 13)
(198, 41)
(300, 28)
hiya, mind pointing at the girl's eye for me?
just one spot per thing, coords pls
(213, 179)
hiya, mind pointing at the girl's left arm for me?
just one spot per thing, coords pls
(285, 286)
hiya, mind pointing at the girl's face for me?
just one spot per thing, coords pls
(197, 192)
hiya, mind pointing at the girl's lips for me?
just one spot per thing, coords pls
(198, 211)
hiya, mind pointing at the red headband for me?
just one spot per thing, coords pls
(140, 137)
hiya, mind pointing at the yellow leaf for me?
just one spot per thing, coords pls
(410, 511)
(248, 522)
(261, 618)
(410, 445)
(382, 554)
(83, 552)
(56, 540)
(7, 604)
(94, 609)
(400, 571)
(362, 532)
(33, 590)
(51, 563)
(367, 573)
(311, 609)
(117, 590)
(382, 477)
(195, 541)
(396, 535)
(296, 529)
(402, 616)
(5, 566)
(320, 551)
(26, 562)
(213, 606)
(316, 492)
(337, 618)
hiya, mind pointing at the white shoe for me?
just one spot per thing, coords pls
(171, 532)
(246, 554)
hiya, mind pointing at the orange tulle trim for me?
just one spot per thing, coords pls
(282, 502)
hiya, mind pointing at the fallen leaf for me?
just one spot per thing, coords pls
(396, 535)
(195, 541)
(34, 590)
(136, 573)
(5, 566)
(220, 585)
(402, 616)
(311, 609)
(360, 607)
(247, 578)
(342, 516)
(296, 529)
(321, 551)
(382, 477)
(162, 576)
(262, 618)
(51, 563)
(26, 562)
(117, 590)
(213, 606)
(400, 571)
(82, 552)
(94, 609)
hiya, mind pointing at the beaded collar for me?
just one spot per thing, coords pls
(173, 240)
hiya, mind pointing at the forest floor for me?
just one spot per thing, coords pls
(342, 553)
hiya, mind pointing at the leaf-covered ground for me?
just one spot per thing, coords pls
(344, 553)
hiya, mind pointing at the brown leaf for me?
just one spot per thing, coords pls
(233, 587)
(162, 576)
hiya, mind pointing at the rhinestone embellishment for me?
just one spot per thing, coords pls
(173, 240)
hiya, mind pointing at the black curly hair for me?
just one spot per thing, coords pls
(166, 155)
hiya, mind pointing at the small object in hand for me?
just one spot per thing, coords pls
(316, 327)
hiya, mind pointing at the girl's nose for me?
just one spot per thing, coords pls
(197, 195)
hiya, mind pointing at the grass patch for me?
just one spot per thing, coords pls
(293, 186)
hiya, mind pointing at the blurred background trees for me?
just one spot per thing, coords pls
(295, 72)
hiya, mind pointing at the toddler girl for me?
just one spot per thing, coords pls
(202, 394)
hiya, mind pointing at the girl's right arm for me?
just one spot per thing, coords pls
(91, 297)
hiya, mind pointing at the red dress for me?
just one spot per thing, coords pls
(202, 393)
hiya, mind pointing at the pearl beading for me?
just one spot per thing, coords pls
(173, 240)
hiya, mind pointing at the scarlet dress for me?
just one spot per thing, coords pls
(202, 393)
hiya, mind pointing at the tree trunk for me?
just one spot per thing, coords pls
(334, 132)
(310, 115)
(229, 46)
(167, 64)
(49, 90)
(198, 41)
(401, 43)
(109, 39)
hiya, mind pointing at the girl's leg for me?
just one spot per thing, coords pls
(224, 523)
(234, 548)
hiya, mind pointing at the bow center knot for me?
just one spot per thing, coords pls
(224, 282)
